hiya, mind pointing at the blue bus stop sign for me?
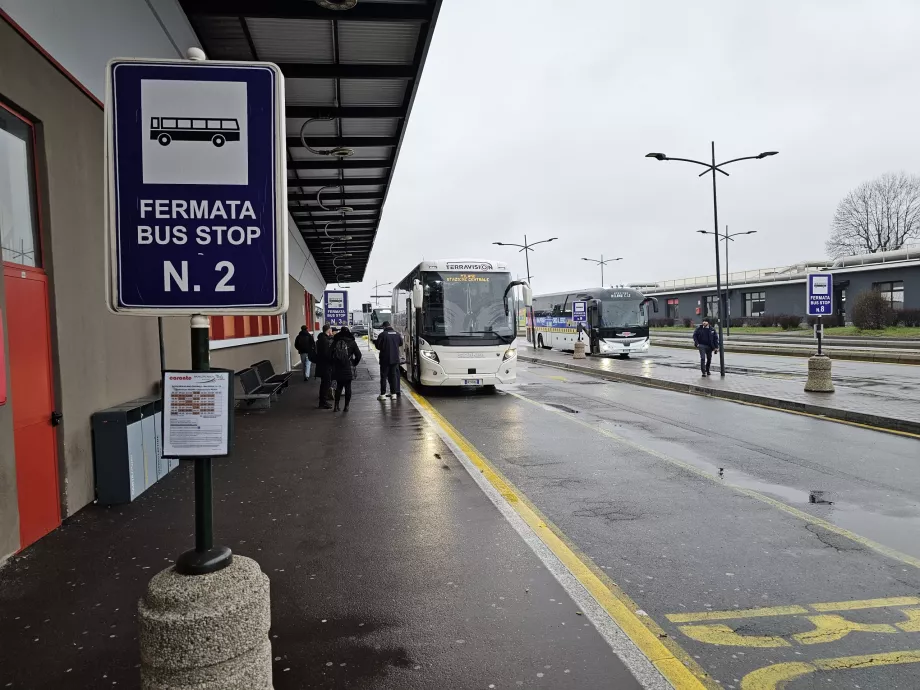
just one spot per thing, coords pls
(820, 297)
(580, 312)
(336, 307)
(197, 188)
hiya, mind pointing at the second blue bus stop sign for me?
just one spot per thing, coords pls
(197, 188)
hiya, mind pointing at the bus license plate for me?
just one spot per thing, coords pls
(472, 382)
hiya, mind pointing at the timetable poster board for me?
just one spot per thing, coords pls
(197, 413)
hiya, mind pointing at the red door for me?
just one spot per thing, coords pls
(32, 398)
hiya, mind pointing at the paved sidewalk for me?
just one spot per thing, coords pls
(859, 353)
(894, 410)
(389, 566)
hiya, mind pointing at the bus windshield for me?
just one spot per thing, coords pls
(467, 304)
(378, 316)
(623, 313)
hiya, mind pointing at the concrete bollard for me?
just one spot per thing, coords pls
(579, 350)
(819, 375)
(207, 632)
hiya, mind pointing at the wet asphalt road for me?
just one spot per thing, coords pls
(631, 476)
(882, 382)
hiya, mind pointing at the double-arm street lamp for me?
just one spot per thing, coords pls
(727, 238)
(714, 168)
(602, 262)
(527, 248)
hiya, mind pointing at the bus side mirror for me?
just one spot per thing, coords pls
(528, 295)
(418, 295)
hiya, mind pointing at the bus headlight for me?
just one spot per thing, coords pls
(430, 354)
(510, 353)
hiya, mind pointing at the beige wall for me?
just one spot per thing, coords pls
(295, 316)
(100, 359)
(241, 357)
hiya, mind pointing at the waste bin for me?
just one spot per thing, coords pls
(128, 450)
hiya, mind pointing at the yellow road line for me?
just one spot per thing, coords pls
(866, 604)
(779, 505)
(740, 613)
(671, 661)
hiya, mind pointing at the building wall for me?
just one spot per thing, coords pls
(83, 35)
(243, 356)
(789, 298)
(99, 359)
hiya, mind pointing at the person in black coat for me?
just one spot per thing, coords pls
(324, 365)
(345, 356)
(706, 341)
(388, 344)
(306, 346)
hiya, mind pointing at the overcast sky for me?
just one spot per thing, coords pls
(534, 117)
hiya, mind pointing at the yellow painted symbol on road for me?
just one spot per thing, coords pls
(778, 675)
(721, 634)
(829, 626)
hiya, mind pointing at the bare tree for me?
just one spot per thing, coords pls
(878, 216)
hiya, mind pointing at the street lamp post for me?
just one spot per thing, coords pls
(713, 168)
(601, 262)
(527, 248)
(727, 238)
(375, 295)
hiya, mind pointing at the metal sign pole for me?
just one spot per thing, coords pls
(205, 558)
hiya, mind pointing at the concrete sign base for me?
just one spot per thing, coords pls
(207, 632)
(579, 350)
(819, 375)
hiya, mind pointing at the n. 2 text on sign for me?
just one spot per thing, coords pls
(197, 188)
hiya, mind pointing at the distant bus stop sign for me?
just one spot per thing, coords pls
(580, 312)
(196, 187)
(820, 295)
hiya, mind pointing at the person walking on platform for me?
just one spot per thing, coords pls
(706, 341)
(388, 344)
(306, 346)
(324, 365)
(345, 357)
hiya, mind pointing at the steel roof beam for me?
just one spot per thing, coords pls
(356, 111)
(337, 182)
(306, 70)
(334, 163)
(304, 9)
(351, 142)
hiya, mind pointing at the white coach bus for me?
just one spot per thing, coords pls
(458, 320)
(617, 320)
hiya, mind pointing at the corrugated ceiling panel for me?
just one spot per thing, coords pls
(292, 40)
(373, 91)
(309, 91)
(366, 127)
(367, 172)
(317, 128)
(382, 43)
(224, 37)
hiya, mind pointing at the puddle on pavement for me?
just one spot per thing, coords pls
(898, 529)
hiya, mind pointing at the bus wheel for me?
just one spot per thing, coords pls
(164, 139)
(489, 389)
(218, 140)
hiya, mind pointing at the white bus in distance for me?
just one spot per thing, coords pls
(458, 323)
(617, 320)
(379, 316)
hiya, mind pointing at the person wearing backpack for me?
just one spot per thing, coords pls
(306, 346)
(345, 356)
(324, 365)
